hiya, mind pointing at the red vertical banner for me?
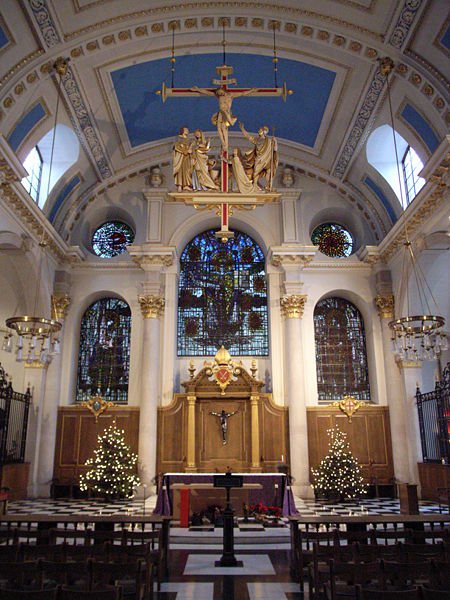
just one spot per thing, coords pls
(184, 507)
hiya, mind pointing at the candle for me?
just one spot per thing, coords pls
(282, 458)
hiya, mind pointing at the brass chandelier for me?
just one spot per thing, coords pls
(415, 337)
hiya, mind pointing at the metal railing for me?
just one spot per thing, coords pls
(14, 409)
(434, 420)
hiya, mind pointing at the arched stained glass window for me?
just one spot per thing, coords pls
(341, 358)
(104, 357)
(222, 297)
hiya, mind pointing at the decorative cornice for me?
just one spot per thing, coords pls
(405, 22)
(360, 123)
(152, 307)
(385, 306)
(45, 23)
(60, 306)
(285, 256)
(149, 257)
(292, 306)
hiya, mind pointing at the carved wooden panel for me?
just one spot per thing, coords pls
(368, 434)
(213, 454)
(172, 424)
(76, 437)
(433, 476)
(274, 434)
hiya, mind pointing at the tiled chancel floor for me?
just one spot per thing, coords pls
(265, 572)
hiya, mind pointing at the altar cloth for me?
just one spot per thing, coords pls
(274, 490)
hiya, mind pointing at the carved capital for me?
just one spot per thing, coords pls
(385, 306)
(152, 307)
(60, 307)
(292, 306)
(191, 400)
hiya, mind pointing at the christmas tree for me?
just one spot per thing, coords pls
(113, 467)
(339, 474)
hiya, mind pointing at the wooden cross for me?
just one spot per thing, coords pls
(224, 119)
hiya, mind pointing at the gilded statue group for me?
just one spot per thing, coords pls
(252, 171)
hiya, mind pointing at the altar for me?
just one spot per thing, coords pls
(271, 489)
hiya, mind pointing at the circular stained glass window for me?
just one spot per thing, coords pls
(333, 240)
(111, 239)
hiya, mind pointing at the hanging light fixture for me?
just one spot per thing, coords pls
(415, 337)
(37, 339)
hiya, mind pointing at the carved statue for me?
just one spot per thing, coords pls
(262, 160)
(223, 118)
(202, 179)
(182, 161)
(224, 416)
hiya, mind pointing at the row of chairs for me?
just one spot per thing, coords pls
(64, 593)
(313, 548)
(414, 593)
(134, 578)
(339, 580)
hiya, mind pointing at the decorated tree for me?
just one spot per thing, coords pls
(112, 473)
(339, 473)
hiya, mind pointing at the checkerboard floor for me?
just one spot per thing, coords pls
(373, 506)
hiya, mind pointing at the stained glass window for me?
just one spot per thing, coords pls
(111, 239)
(412, 165)
(333, 240)
(341, 358)
(222, 297)
(104, 356)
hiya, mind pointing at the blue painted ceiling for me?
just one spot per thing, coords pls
(148, 119)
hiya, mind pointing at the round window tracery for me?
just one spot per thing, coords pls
(112, 239)
(333, 240)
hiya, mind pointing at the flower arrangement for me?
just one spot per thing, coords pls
(266, 515)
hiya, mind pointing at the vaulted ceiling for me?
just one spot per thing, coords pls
(119, 53)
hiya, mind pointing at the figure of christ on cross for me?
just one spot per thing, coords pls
(223, 416)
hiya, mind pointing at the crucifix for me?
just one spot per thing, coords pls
(223, 119)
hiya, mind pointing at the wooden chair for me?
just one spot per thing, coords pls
(48, 594)
(73, 574)
(440, 575)
(154, 558)
(131, 577)
(370, 552)
(80, 553)
(400, 575)
(108, 593)
(9, 553)
(420, 536)
(318, 569)
(55, 553)
(58, 535)
(444, 499)
(389, 536)
(20, 575)
(362, 593)
(343, 577)
(302, 550)
(415, 552)
(433, 594)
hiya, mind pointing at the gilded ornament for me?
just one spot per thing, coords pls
(323, 35)
(224, 22)
(207, 22)
(156, 28)
(91, 46)
(241, 21)
(290, 28)
(306, 30)
(402, 68)
(8, 102)
(355, 46)
(258, 23)
(97, 405)
(108, 39)
(385, 306)
(19, 89)
(31, 77)
(338, 40)
(371, 53)
(124, 35)
(152, 306)
(348, 405)
(292, 306)
(76, 52)
(223, 369)
(416, 79)
(46, 67)
(274, 25)
(141, 31)
(439, 103)
(190, 23)
(60, 306)
(428, 90)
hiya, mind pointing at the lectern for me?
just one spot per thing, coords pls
(228, 481)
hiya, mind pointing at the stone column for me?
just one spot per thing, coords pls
(191, 465)
(256, 451)
(36, 375)
(411, 373)
(292, 307)
(152, 307)
(395, 392)
(49, 407)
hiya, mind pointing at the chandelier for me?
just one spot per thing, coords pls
(415, 337)
(37, 339)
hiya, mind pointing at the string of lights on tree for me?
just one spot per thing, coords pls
(112, 473)
(339, 474)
